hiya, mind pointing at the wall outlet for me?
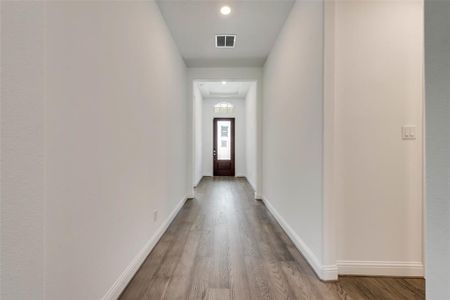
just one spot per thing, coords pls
(155, 215)
(409, 132)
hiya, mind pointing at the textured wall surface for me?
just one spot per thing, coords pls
(378, 83)
(93, 142)
(22, 150)
(293, 122)
(437, 84)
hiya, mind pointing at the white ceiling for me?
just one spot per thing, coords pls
(230, 90)
(194, 24)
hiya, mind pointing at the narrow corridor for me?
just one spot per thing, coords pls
(225, 245)
(192, 149)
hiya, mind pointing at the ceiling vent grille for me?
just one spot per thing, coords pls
(225, 40)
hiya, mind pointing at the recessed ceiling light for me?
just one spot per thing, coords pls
(224, 82)
(225, 10)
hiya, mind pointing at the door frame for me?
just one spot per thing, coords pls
(197, 76)
(232, 145)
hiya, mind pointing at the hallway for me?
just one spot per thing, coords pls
(225, 245)
(330, 120)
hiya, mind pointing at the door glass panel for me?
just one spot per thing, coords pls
(223, 140)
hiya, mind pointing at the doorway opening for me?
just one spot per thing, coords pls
(225, 129)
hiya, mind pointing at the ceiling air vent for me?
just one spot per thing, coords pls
(225, 40)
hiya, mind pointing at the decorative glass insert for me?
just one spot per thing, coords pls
(223, 107)
(223, 140)
(224, 131)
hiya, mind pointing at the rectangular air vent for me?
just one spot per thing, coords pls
(225, 40)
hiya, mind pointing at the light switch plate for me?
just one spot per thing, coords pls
(409, 132)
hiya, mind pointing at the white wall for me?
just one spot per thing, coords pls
(437, 66)
(113, 130)
(197, 134)
(378, 88)
(207, 134)
(22, 150)
(219, 74)
(292, 129)
(251, 134)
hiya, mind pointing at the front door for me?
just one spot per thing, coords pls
(223, 146)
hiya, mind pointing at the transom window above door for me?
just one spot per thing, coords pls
(223, 107)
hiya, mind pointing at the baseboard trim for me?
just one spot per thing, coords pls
(198, 181)
(325, 273)
(257, 196)
(380, 268)
(119, 285)
(329, 273)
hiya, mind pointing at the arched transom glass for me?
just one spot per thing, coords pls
(223, 107)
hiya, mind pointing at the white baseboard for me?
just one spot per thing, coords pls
(257, 196)
(198, 181)
(380, 268)
(119, 285)
(326, 273)
(363, 268)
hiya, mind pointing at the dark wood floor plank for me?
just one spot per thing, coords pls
(258, 280)
(161, 279)
(220, 277)
(140, 283)
(200, 278)
(180, 282)
(218, 294)
(224, 244)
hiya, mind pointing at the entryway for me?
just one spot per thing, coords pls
(223, 146)
(225, 128)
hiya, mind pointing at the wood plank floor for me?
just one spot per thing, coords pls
(225, 245)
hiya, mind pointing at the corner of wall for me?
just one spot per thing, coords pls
(328, 173)
(324, 272)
